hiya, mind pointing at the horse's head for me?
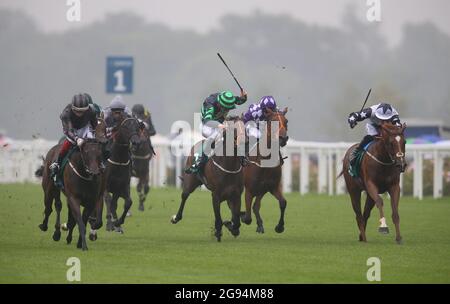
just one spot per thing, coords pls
(144, 140)
(280, 117)
(394, 140)
(128, 132)
(100, 131)
(92, 156)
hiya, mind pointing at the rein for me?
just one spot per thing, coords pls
(379, 161)
(225, 170)
(78, 174)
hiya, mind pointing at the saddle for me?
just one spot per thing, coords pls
(64, 163)
(355, 169)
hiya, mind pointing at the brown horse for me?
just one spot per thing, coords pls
(141, 163)
(380, 172)
(53, 193)
(118, 170)
(223, 176)
(259, 180)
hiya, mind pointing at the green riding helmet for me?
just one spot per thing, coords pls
(226, 99)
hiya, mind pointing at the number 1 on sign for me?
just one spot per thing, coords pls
(120, 87)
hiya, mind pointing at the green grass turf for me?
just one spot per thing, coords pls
(319, 244)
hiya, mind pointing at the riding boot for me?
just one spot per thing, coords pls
(54, 171)
(365, 141)
(200, 158)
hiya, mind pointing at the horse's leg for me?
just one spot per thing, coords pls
(84, 220)
(58, 207)
(127, 206)
(394, 193)
(235, 206)
(141, 194)
(278, 194)
(367, 209)
(97, 221)
(246, 217)
(355, 196)
(190, 183)
(48, 200)
(70, 225)
(372, 190)
(74, 206)
(256, 208)
(107, 199)
(113, 209)
(218, 218)
(146, 183)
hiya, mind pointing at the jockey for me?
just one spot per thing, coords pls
(214, 110)
(144, 117)
(79, 122)
(377, 114)
(114, 112)
(257, 112)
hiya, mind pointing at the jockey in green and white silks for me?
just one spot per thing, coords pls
(214, 110)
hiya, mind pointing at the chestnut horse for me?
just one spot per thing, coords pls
(222, 175)
(259, 180)
(381, 167)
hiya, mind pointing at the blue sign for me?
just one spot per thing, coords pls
(119, 75)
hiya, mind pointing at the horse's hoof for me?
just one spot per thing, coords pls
(235, 232)
(141, 207)
(118, 229)
(279, 229)
(399, 241)
(228, 224)
(245, 219)
(64, 227)
(109, 226)
(260, 229)
(92, 237)
(383, 230)
(43, 227)
(57, 235)
(174, 219)
(129, 214)
(69, 240)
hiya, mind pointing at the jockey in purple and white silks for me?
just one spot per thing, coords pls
(377, 114)
(256, 113)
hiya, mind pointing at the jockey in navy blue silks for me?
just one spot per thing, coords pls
(377, 114)
(256, 113)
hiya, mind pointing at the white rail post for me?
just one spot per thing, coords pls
(330, 172)
(322, 171)
(437, 174)
(287, 171)
(178, 160)
(340, 186)
(418, 180)
(304, 171)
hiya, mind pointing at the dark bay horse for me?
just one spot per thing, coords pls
(141, 163)
(53, 193)
(259, 180)
(118, 170)
(223, 176)
(380, 172)
(83, 186)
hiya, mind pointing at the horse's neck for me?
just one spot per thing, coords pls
(378, 149)
(119, 152)
(269, 146)
(76, 160)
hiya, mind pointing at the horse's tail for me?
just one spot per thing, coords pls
(182, 178)
(340, 174)
(40, 171)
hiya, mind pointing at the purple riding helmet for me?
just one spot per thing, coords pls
(268, 102)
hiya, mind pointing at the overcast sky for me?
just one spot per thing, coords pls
(203, 15)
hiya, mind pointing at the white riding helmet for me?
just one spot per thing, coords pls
(117, 103)
(384, 111)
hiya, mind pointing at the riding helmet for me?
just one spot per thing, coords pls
(80, 103)
(138, 109)
(226, 99)
(384, 111)
(117, 104)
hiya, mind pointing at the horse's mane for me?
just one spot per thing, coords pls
(233, 118)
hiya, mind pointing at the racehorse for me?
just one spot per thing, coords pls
(258, 180)
(222, 175)
(118, 170)
(381, 167)
(141, 162)
(53, 193)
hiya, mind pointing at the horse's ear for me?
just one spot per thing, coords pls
(285, 110)
(269, 111)
(403, 127)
